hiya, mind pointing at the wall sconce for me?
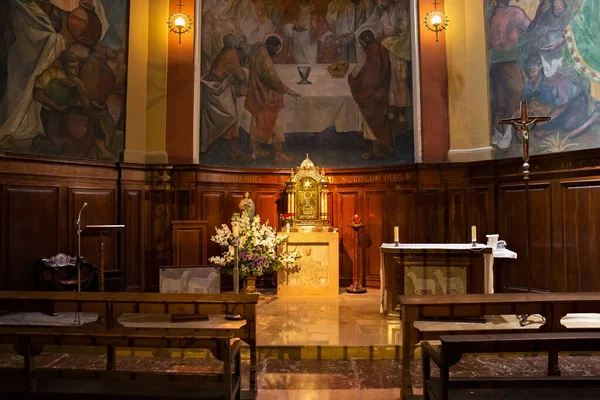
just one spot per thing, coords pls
(179, 23)
(436, 21)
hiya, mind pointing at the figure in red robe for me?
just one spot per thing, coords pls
(264, 101)
(370, 83)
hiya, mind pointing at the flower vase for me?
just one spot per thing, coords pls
(250, 284)
(288, 226)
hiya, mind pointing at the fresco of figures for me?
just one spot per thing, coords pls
(548, 53)
(63, 66)
(282, 78)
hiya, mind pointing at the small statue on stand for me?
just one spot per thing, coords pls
(246, 204)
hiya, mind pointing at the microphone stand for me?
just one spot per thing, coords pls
(79, 247)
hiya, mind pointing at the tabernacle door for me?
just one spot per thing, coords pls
(318, 273)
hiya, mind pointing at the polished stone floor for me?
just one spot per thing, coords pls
(354, 320)
(333, 348)
(323, 379)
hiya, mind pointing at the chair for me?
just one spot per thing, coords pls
(59, 273)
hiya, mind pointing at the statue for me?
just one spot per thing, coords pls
(246, 204)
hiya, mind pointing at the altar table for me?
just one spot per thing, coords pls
(450, 268)
(327, 102)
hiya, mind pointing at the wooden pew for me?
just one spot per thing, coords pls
(112, 307)
(552, 306)
(453, 347)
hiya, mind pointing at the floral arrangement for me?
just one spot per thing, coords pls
(288, 218)
(259, 248)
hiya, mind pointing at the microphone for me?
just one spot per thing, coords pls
(80, 211)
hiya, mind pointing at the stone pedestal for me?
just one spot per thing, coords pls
(319, 265)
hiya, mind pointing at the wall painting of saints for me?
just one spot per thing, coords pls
(63, 68)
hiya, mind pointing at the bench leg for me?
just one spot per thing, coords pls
(238, 374)
(252, 344)
(29, 363)
(553, 367)
(426, 373)
(111, 358)
(227, 379)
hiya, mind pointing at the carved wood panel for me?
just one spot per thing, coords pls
(189, 242)
(581, 235)
(134, 221)
(266, 207)
(346, 207)
(457, 231)
(372, 234)
(404, 215)
(433, 212)
(213, 213)
(29, 232)
(531, 270)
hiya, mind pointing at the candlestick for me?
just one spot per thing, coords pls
(396, 235)
(473, 234)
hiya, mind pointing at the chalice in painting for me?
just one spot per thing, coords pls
(304, 71)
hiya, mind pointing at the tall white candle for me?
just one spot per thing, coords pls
(473, 233)
(396, 234)
(235, 229)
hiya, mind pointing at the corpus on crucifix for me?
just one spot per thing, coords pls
(524, 123)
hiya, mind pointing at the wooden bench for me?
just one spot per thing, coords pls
(453, 347)
(552, 306)
(139, 320)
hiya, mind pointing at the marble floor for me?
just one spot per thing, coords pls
(354, 320)
(344, 348)
(323, 379)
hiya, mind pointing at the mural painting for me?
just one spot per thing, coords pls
(546, 52)
(63, 66)
(282, 78)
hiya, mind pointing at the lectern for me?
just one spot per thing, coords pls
(101, 231)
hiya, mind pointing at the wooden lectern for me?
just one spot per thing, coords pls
(102, 231)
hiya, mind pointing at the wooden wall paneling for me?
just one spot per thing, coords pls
(266, 207)
(212, 210)
(372, 235)
(457, 230)
(432, 226)
(189, 242)
(347, 205)
(404, 215)
(101, 210)
(481, 212)
(581, 233)
(29, 232)
(529, 270)
(132, 206)
(159, 234)
(233, 204)
(559, 264)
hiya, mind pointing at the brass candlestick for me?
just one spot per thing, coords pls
(356, 286)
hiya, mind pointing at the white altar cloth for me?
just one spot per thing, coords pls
(488, 260)
(327, 102)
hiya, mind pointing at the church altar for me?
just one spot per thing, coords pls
(430, 268)
(318, 274)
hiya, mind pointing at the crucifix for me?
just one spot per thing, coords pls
(524, 123)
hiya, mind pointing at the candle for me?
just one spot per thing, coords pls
(236, 229)
(396, 234)
(473, 233)
(356, 219)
